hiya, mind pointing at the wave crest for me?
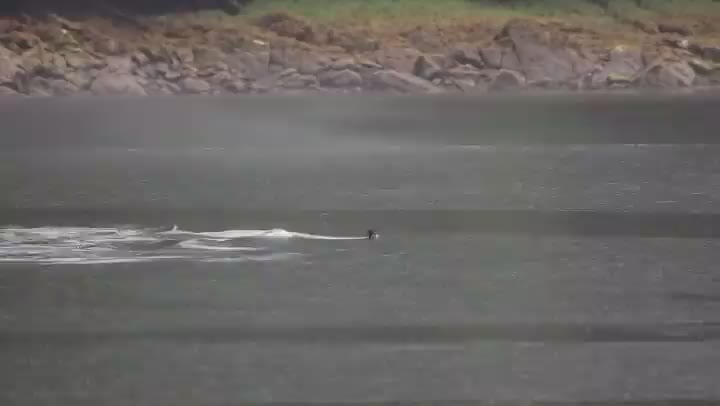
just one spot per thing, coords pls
(108, 245)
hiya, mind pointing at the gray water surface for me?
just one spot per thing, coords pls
(579, 268)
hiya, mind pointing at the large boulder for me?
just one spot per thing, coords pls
(40, 86)
(346, 63)
(506, 80)
(304, 61)
(623, 67)
(195, 85)
(404, 82)
(669, 74)
(340, 78)
(78, 59)
(495, 57)
(540, 60)
(10, 67)
(253, 59)
(6, 91)
(398, 59)
(464, 72)
(119, 64)
(108, 83)
(298, 81)
(207, 57)
(80, 79)
(702, 67)
(710, 52)
(427, 68)
(184, 56)
(156, 53)
(465, 54)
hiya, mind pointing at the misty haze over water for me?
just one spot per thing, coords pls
(211, 251)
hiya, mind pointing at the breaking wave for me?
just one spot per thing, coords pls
(88, 245)
(278, 233)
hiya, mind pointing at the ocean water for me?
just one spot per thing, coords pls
(202, 251)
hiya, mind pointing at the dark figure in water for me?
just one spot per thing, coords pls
(372, 235)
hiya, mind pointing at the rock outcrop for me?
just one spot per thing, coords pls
(283, 53)
(670, 74)
(404, 82)
(621, 70)
(108, 83)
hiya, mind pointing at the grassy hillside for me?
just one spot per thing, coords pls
(457, 8)
(614, 20)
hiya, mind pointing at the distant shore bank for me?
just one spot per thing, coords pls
(213, 53)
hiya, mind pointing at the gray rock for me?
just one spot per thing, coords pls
(207, 56)
(253, 59)
(398, 59)
(116, 84)
(298, 81)
(40, 86)
(500, 58)
(669, 75)
(340, 78)
(6, 91)
(252, 64)
(465, 85)
(51, 66)
(119, 64)
(258, 87)
(539, 61)
(702, 67)
(78, 59)
(172, 75)
(10, 68)
(506, 80)
(222, 78)
(681, 43)
(184, 55)
(306, 62)
(345, 63)
(107, 46)
(156, 53)
(169, 88)
(140, 59)
(468, 55)
(492, 57)
(624, 65)
(368, 64)
(237, 86)
(426, 68)
(81, 79)
(404, 82)
(194, 85)
(463, 72)
(709, 52)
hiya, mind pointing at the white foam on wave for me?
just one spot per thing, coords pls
(88, 245)
(90, 260)
(275, 233)
(199, 245)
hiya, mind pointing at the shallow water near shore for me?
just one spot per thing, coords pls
(212, 251)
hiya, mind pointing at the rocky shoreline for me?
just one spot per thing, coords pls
(280, 53)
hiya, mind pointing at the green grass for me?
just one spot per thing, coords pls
(361, 9)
